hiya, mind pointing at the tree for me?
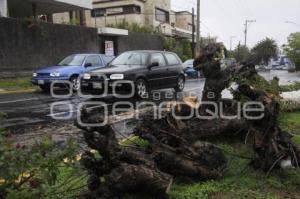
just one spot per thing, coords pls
(292, 49)
(240, 53)
(264, 50)
(182, 47)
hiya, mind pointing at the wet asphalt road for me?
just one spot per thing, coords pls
(29, 109)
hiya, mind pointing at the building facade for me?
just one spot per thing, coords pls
(105, 13)
(151, 13)
(154, 13)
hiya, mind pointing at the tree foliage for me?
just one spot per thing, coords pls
(182, 47)
(264, 50)
(240, 53)
(293, 48)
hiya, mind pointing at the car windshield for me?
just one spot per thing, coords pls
(189, 62)
(131, 58)
(72, 60)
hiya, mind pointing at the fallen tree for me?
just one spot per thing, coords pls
(177, 149)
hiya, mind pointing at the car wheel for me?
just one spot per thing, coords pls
(45, 89)
(180, 84)
(141, 88)
(75, 83)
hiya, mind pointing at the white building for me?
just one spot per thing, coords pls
(25, 8)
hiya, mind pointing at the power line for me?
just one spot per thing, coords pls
(213, 33)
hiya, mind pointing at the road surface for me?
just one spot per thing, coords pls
(26, 109)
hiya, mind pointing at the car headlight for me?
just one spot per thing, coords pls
(55, 74)
(34, 75)
(117, 76)
(87, 76)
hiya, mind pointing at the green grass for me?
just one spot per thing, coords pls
(292, 87)
(290, 122)
(15, 83)
(135, 142)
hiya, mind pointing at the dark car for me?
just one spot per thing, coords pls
(146, 70)
(69, 69)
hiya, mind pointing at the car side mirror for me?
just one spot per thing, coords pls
(88, 64)
(153, 64)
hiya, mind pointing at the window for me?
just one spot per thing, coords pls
(128, 9)
(107, 59)
(131, 58)
(99, 12)
(158, 57)
(72, 60)
(132, 9)
(172, 59)
(161, 15)
(118, 10)
(94, 60)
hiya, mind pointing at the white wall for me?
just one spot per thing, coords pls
(3, 8)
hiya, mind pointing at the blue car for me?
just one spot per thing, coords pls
(189, 69)
(70, 69)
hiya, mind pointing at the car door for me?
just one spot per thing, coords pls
(157, 77)
(93, 62)
(174, 67)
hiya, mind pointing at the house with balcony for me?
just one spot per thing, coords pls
(154, 13)
(151, 13)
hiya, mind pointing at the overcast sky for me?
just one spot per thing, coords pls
(225, 18)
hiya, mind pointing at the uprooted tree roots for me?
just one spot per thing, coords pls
(176, 148)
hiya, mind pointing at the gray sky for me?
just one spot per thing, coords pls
(225, 18)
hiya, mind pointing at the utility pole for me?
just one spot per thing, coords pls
(34, 12)
(246, 29)
(231, 37)
(193, 33)
(239, 53)
(198, 28)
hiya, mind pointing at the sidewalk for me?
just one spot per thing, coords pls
(15, 91)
